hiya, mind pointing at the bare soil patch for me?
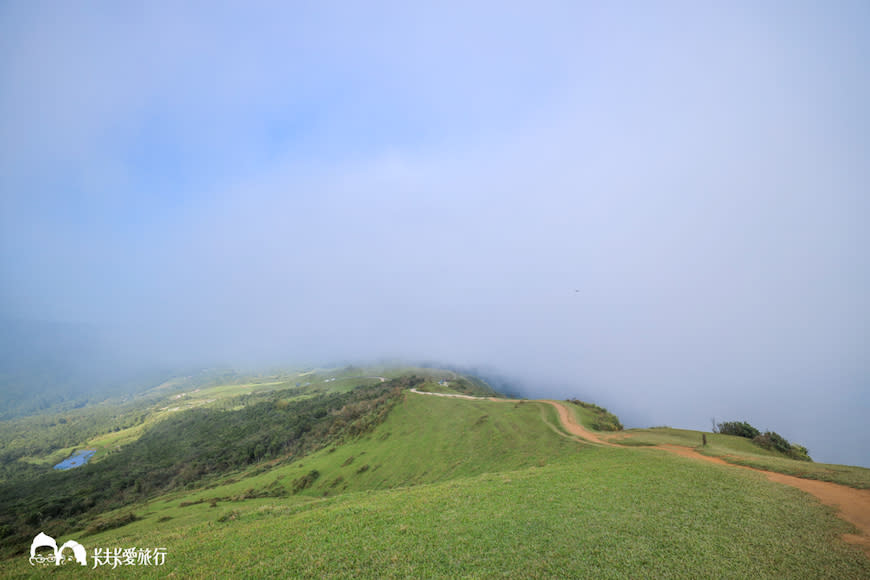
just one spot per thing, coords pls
(853, 505)
(566, 417)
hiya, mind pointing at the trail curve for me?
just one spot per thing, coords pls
(852, 505)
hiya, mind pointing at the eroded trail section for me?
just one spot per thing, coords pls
(853, 505)
(566, 417)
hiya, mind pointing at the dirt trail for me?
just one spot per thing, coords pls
(853, 505)
(566, 417)
(572, 426)
(456, 396)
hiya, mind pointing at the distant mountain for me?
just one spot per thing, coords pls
(55, 365)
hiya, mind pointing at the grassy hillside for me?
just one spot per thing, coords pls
(185, 449)
(109, 424)
(423, 440)
(742, 451)
(451, 487)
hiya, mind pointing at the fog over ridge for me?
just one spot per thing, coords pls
(660, 210)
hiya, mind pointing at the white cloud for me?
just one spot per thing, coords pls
(443, 188)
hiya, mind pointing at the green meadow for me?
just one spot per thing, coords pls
(448, 487)
(741, 451)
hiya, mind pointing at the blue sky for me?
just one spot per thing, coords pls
(661, 207)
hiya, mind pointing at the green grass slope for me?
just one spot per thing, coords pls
(110, 425)
(425, 439)
(187, 450)
(742, 451)
(459, 488)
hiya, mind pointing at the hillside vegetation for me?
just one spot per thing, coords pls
(742, 451)
(766, 440)
(596, 417)
(185, 450)
(431, 486)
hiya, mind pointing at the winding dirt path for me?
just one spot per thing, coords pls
(566, 417)
(569, 422)
(457, 396)
(853, 505)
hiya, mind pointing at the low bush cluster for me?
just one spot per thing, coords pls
(305, 481)
(773, 440)
(768, 440)
(604, 420)
(111, 524)
(739, 428)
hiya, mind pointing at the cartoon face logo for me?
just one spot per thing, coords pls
(43, 540)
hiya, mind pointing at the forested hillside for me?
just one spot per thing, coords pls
(184, 450)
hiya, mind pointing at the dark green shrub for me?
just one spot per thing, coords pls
(305, 481)
(739, 428)
(275, 489)
(774, 441)
(604, 420)
(111, 524)
(800, 452)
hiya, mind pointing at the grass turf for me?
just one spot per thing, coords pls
(458, 488)
(606, 513)
(742, 451)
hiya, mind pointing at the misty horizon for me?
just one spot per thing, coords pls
(661, 209)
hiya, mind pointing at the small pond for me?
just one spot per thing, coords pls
(77, 459)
